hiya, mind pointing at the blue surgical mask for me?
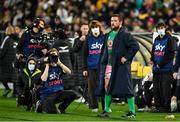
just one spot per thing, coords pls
(95, 31)
(161, 32)
(31, 67)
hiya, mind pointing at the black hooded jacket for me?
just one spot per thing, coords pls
(27, 80)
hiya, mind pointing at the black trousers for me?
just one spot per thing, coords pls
(92, 82)
(65, 98)
(162, 89)
(148, 93)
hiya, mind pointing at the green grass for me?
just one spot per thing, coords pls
(10, 112)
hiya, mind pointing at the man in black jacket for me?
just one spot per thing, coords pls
(78, 62)
(115, 66)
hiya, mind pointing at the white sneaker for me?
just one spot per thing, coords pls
(80, 100)
(95, 110)
(170, 116)
(38, 108)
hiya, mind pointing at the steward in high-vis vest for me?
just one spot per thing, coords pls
(27, 79)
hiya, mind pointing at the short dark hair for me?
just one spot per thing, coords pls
(120, 17)
(84, 23)
(161, 24)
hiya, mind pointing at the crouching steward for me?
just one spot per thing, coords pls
(52, 90)
(26, 87)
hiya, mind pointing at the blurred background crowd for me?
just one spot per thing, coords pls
(140, 15)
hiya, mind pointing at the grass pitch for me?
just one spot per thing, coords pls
(75, 112)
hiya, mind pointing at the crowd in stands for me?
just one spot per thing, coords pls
(141, 15)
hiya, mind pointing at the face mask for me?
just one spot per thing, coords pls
(161, 32)
(31, 67)
(95, 31)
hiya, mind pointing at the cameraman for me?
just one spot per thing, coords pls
(52, 91)
(30, 40)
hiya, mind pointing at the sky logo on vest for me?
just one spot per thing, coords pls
(96, 46)
(159, 47)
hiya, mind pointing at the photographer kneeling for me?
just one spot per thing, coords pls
(52, 90)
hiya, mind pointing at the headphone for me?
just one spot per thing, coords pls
(37, 21)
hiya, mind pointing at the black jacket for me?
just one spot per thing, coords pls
(78, 61)
(124, 45)
(26, 81)
(177, 62)
(7, 57)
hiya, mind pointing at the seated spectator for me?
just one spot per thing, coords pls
(28, 77)
(52, 90)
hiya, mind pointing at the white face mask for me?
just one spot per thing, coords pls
(161, 32)
(95, 31)
(31, 67)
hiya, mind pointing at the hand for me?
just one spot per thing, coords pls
(18, 56)
(151, 62)
(173, 98)
(123, 60)
(157, 66)
(34, 89)
(46, 59)
(175, 74)
(59, 62)
(47, 64)
(83, 38)
(85, 73)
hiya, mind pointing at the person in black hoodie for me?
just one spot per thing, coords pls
(7, 56)
(28, 77)
(162, 56)
(176, 76)
(78, 62)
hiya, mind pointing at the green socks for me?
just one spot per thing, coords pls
(107, 102)
(131, 104)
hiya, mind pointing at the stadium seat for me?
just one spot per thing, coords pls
(146, 70)
(143, 71)
(134, 66)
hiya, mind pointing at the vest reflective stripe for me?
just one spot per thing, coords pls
(29, 77)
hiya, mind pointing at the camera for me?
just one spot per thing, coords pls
(53, 58)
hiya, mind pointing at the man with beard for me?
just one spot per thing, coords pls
(30, 41)
(115, 66)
